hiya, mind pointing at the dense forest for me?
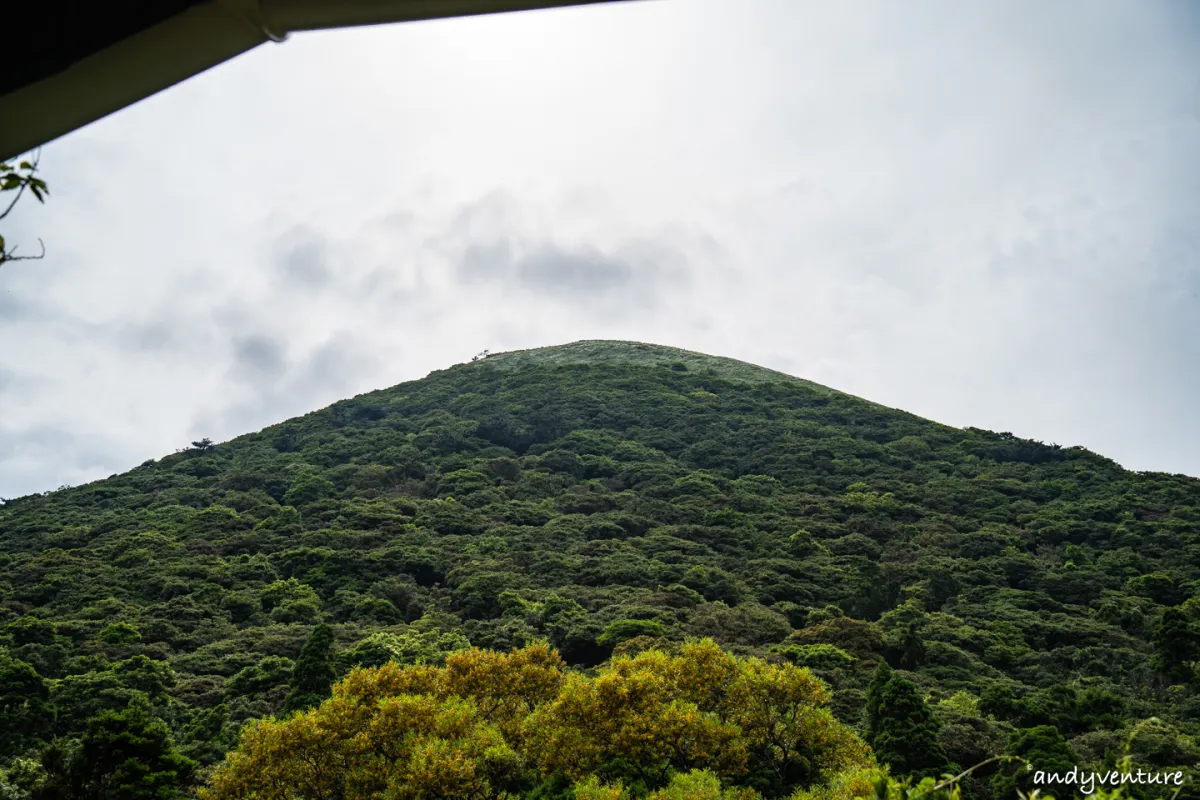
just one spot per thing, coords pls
(600, 570)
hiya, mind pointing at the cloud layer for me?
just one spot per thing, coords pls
(984, 215)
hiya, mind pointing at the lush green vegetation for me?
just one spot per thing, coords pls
(961, 593)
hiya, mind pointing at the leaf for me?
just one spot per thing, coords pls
(26, 165)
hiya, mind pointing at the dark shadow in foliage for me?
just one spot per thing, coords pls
(26, 715)
(1044, 748)
(1177, 645)
(123, 755)
(313, 673)
(901, 728)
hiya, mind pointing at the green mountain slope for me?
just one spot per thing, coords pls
(606, 495)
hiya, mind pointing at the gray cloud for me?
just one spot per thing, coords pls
(493, 245)
(486, 261)
(583, 271)
(335, 365)
(304, 259)
(274, 389)
(632, 271)
(259, 358)
(15, 308)
(84, 454)
(149, 337)
(13, 381)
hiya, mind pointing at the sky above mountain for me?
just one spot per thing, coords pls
(986, 214)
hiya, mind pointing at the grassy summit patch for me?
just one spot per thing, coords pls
(602, 351)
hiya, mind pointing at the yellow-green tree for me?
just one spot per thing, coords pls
(652, 714)
(490, 725)
(632, 722)
(406, 733)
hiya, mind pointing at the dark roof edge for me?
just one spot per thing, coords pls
(190, 42)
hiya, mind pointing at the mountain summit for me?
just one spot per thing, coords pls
(607, 497)
(611, 351)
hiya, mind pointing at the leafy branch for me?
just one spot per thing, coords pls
(18, 179)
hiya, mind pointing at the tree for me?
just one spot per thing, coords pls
(411, 647)
(912, 647)
(25, 711)
(873, 711)
(1041, 747)
(942, 586)
(313, 673)
(901, 727)
(23, 779)
(1176, 645)
(17, 179)
(652, 713)
(488, 723)
(623, 629)
(415, 731)
(127, 755)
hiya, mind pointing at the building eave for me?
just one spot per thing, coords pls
(199, 37)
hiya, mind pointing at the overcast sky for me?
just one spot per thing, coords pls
(987, 214)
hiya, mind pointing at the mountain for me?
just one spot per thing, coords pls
(612, 496)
